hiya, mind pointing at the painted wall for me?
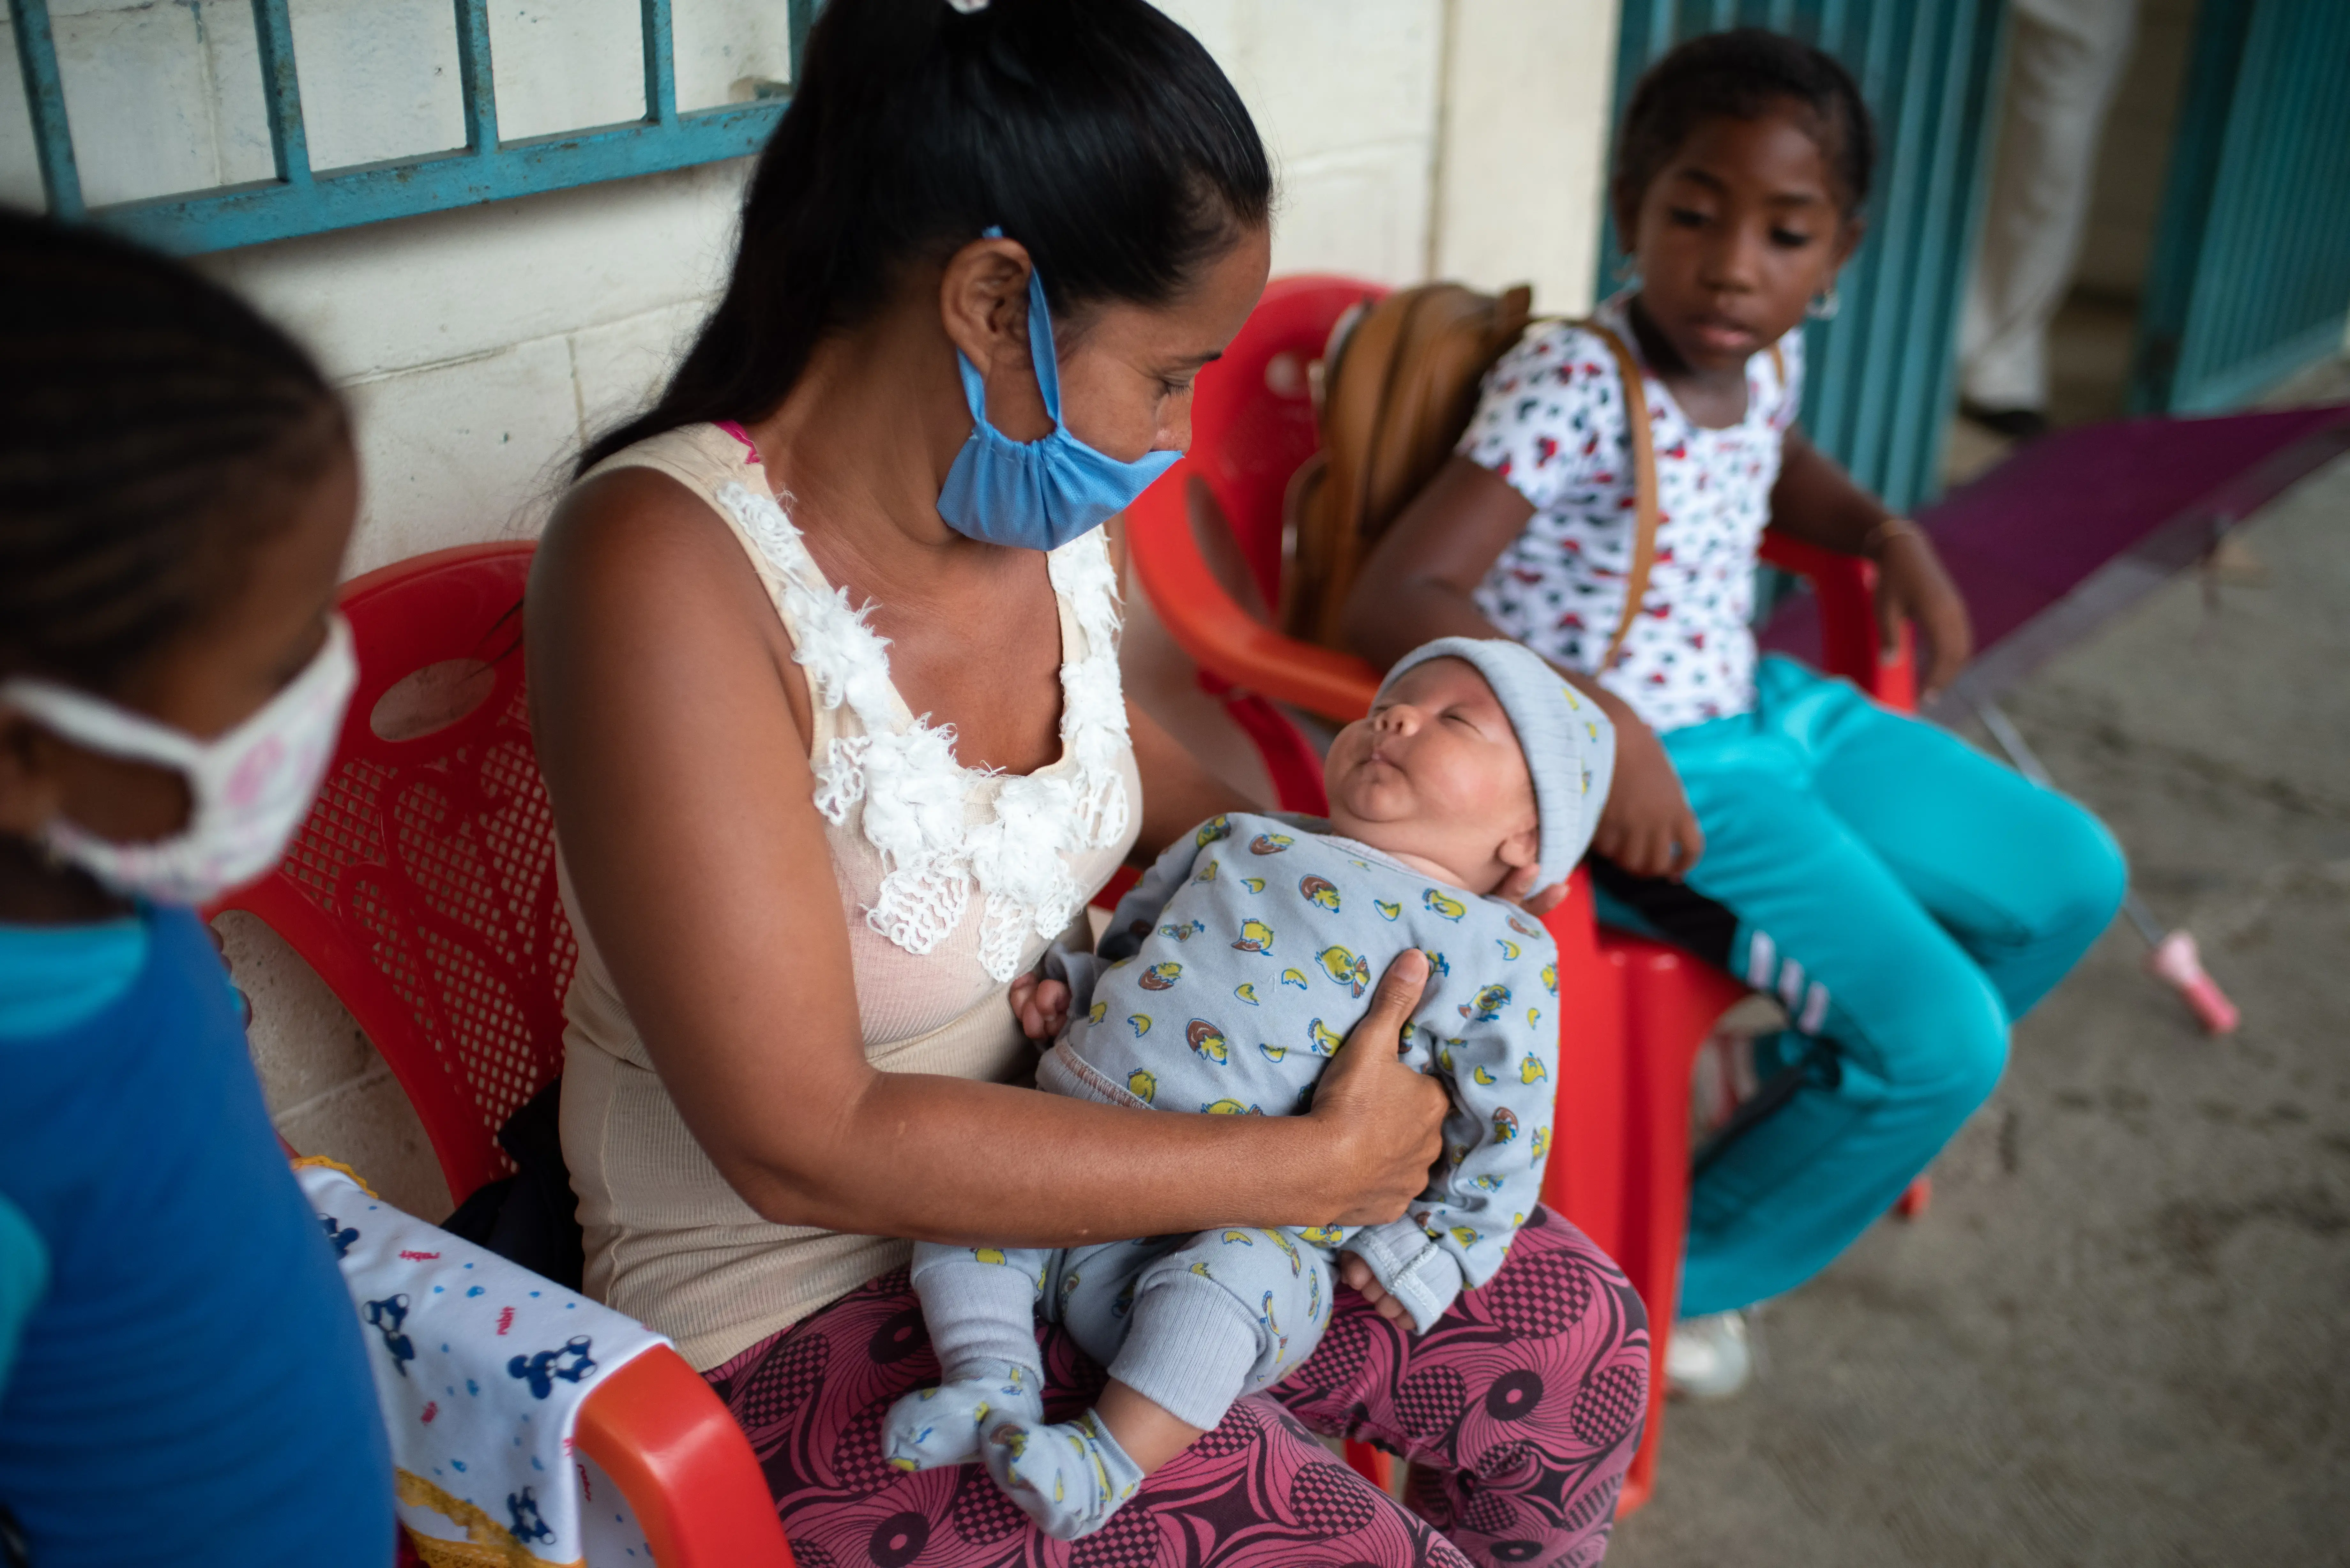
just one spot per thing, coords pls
(479, 348)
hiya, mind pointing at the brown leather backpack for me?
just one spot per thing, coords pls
(1396, 389)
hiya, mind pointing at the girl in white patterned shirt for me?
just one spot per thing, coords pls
(1905, 897)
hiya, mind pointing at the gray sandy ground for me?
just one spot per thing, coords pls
(2122, 1335)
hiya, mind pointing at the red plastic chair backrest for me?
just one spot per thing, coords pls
(1252, 417)
(422, 887)
(1252, 425)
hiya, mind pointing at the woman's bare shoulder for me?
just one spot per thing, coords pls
(631, 557)
(635, 541)
(633, 519)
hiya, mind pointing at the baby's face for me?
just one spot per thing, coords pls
(1435, 774)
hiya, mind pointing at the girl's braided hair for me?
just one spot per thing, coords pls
(1738, 75)
(152, 425)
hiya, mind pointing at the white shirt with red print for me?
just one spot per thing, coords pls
(1551, 422)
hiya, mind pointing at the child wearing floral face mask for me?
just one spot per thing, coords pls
(181, 1372)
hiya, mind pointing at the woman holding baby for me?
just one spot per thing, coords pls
(824, 660)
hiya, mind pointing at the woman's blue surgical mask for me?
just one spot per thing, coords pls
(1037, 494)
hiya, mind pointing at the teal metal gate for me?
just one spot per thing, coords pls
(1882, 376)
(488, 168)
(2251, 273)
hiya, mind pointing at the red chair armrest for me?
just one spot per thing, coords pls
(1847, 588)
(1374, 1465)
(1216, 633)
(669, 1444)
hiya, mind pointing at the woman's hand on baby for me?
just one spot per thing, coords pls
(1387, 1121)
(1647, 826)
(1041, 1006)
(1358, 1273)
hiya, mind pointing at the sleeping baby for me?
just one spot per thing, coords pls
(1223, 984)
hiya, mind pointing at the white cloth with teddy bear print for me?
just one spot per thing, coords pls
(481, 1367)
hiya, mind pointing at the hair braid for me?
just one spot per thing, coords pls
(142, 406)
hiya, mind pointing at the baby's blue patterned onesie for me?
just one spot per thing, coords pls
(1226, 980)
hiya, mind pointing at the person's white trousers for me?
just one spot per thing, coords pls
(2064, 60)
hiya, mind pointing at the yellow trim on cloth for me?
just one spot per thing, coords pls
(306, 1161)
(487, 1543)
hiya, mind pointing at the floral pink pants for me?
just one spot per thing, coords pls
(1519, 1413)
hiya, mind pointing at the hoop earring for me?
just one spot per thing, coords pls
(1824, 306)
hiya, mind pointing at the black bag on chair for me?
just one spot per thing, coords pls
(532, 1216)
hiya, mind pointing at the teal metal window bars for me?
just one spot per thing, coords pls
(303, 201)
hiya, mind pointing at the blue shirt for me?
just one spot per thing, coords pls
(189, 1385)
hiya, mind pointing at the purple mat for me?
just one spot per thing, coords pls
(2076, 526)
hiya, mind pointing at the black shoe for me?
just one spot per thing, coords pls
(2015, 424)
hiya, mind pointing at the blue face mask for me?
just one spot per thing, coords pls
(1037, 494)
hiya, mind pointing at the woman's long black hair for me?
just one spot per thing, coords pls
(1097, 132)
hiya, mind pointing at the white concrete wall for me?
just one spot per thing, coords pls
(1428, 138)
(479, 347)
(1524, 134)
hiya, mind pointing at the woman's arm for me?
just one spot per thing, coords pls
(1418, 583)
(669, 729)
(1178, 793)
(1816, 502)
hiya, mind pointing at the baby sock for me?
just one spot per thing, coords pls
(1069, 1477)
(941, 1425)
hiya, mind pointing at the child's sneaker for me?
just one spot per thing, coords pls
(1710, 1357)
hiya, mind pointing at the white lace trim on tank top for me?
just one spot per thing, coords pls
(903, 773)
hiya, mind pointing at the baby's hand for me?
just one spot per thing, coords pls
(1358, 1273)
(1041, 1006)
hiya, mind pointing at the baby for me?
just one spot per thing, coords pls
(1225, 982)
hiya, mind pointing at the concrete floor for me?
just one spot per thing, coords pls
(2089, 345)
(2122, 1334)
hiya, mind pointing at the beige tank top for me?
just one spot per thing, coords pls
(952, 880)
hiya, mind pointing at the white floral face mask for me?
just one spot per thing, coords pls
(248, 789)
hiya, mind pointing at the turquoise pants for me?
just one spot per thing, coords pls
(1907, 898)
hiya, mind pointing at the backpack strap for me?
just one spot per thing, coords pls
(1644, 485)
(1399, 384)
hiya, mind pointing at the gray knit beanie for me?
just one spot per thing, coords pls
(1569, 744)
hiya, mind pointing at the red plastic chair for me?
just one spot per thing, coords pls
(1620, 1164)
(422, 891)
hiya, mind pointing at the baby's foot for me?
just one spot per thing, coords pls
(940, 1426)
(1069, 1478)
